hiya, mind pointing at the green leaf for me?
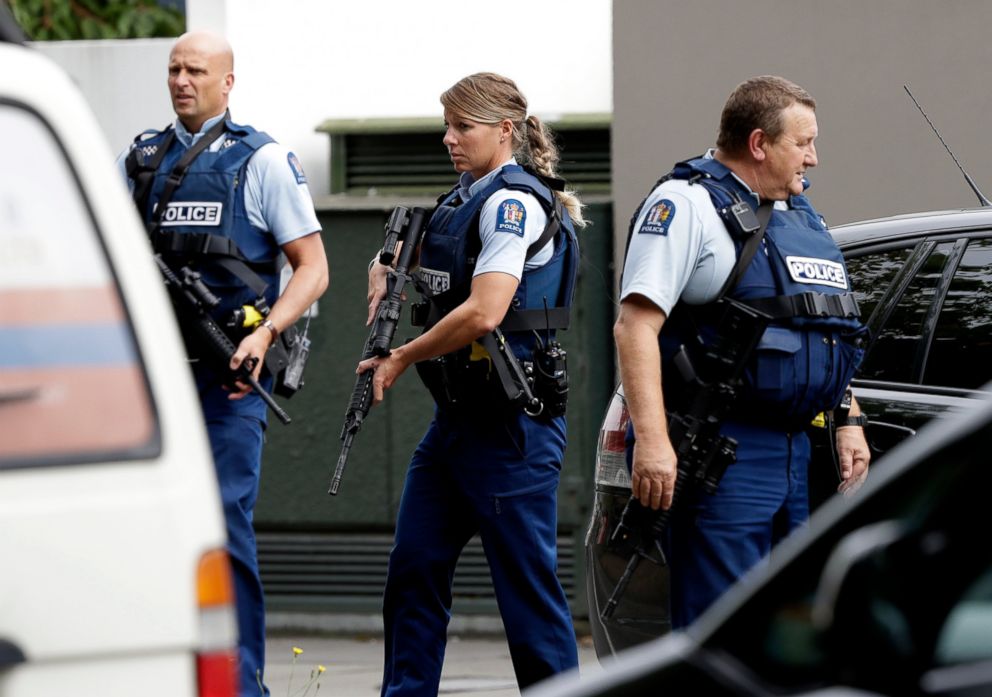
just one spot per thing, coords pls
(124, 25)
(89, 28)
(44, 20)
(144, 25)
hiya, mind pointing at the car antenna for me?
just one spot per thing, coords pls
(971, 182)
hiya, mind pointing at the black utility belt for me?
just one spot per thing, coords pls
(786, 423)
(463, 380)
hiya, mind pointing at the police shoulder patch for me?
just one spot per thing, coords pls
(511, 216)
(659, 218)
(297, 168)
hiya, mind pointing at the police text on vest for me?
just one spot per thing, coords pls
(817, 271)
(192, 213)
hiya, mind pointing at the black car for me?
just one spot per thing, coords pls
(924, 285)
(885, 593)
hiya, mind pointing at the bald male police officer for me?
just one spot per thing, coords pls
(682, 253)
(241, 201)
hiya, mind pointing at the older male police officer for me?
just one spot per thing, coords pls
(686, 242)
(239, 202)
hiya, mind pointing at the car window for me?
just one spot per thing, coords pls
(871, 276)
(958, 353)
(894, 353)
(961, 350)
(72, 388)
(967, 633)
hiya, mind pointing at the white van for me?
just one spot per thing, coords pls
(113, 578)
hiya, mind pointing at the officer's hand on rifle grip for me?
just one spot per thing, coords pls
(251, 347)
(387, 370)
(377, 288)
(378, 277)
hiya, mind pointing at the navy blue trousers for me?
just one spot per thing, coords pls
(236, 436)
(713, 540)
(497, 477)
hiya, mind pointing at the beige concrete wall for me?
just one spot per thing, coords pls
(675, 62)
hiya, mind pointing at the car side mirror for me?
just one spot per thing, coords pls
(861, 612)
(10, 654)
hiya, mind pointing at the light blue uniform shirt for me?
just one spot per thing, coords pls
(689, 257)
(274, 200)
(505, 251)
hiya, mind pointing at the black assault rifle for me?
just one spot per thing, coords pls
(406, 226)
(711, 373)
(193, 301)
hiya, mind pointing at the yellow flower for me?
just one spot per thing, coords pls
(320, 668)
(297, 650)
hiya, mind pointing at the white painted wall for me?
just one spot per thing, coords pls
(299, 62)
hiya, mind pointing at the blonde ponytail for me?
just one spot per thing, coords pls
(542, 154)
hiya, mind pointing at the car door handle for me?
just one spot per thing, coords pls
(10, 654)
(22, 394)
(883, 436)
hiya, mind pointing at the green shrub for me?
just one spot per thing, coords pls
(64, 20)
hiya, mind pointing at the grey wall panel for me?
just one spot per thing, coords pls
(676, 62)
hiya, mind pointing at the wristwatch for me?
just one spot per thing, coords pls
(859, 420)
(268, 324)
(845, 402)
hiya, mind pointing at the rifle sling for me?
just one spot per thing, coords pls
(179, 171)
(764, 214)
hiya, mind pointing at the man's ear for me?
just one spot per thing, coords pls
(755, 144)
(228, 83)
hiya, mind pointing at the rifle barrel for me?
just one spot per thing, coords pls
(621, 586)
(342, 461)
(267, 398)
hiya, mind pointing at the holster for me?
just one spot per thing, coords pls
(455, 381)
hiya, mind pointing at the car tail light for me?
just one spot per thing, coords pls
(216, 659)
(611, 452)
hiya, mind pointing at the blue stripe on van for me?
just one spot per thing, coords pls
(43, 346)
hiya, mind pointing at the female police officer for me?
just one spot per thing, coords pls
(497, 266)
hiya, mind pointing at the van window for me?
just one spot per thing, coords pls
(72, 387)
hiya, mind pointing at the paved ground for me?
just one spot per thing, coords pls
(477, 666)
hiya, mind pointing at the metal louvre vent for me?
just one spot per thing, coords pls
(347, 571)
(406, 156)
(396, 161)
(585, 158)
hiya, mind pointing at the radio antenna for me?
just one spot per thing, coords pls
(971, 182)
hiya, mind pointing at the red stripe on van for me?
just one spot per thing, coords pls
(60, 306)
(60, 412)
